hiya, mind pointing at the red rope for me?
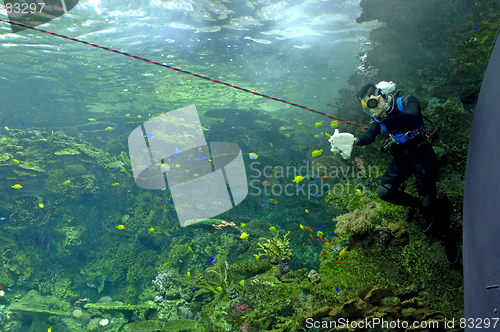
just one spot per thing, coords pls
(182, 71)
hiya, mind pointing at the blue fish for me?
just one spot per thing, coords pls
(316, 179)
(197, 318)
(212, 260)
(321, 226)
(202, 157)
(149, 135)
(265, 204)
(23, 123)
(475, 26)
(176, 154)
(370, 182)
(169, 202)
(337, 289)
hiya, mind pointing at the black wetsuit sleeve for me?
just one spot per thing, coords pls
(369, 136)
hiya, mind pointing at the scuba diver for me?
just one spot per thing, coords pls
(408, 141)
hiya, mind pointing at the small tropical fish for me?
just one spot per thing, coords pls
(308, 228)
(151, 230)
(6, 128)
(244, 236)
(319, 234)
(177, 166)
(195, 174)
(114, 164)
(307, 211)
(41, 205)
(219, 288)
(252, 156)
(273, 229)
(127, 114)
(265, 204)
(4, 138)
(92, 119)
(16, 161)
(176, 154)
(243, 224)
(327, 240)
(358, 191)
(212, 260)
(17, 186)
(149, 135)
(188, 273)
(342, 253)
(199, 317)
(334, 124)
(227, 265)
(274, 201)
(139, 116)
(337, 262)
(328, 135)
(316, 136)
(256, 257)
(165, 167)
(302, 226)
(202, 157)
(311, 236)
(2, 288)
(318, 124)
(116, 184)
(325, 177)
(297, 179)
(316, 179)
(109, 128)
(49, 329)
(66, 182)
(287, 135)
(271, 144)
(316, 153)
(321, 226)
(264, 182)
(189, 248)
(120, 227)
(242, 283)
(337, 289)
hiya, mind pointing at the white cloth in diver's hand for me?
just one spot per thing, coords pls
(342, 143)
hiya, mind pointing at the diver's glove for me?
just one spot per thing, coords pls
(342, 143)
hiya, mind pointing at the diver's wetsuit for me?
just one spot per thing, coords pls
(415, 156)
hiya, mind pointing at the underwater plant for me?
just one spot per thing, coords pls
(275, 249)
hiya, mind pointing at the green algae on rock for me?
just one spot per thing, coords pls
(34, 303)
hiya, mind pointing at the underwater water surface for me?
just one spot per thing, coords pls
(85, 248)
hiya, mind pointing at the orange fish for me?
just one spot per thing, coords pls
(311, 236)
(2, 288)
(325, 177)
(327, 240)
(337, 262)
(317, 165)
(264, 182)
(308, 228)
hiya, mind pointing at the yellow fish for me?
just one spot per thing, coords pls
(271, 144)
(342, 253)
(302, 226)
(274, 201)
(244, 236)
(316, 153)
(188, 273)
(219, 288)
(243, 224)
(273, 229)
(307, 211)
(334, 124)
(4, 138)
(297, 179)
(256, 257)
(120, 227)
(50, 329)
(139, 116)
(328, 135)
(242, 283)
(17, 186)
(41, 205)
(358, 191)
(15, 161)
(189, 248)
(287, 135)
(151, 230)
(195, 174)
(6, 128)
(115, 184)
(127, 114)
(318, 124)
(319, 234)
(316, 135)
(109, 128)
(92, 119)
(66, 182)
(252, 156)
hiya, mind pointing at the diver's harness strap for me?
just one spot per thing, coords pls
(396, 137)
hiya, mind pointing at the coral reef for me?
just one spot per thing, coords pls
(357, 221)
(276, 249)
